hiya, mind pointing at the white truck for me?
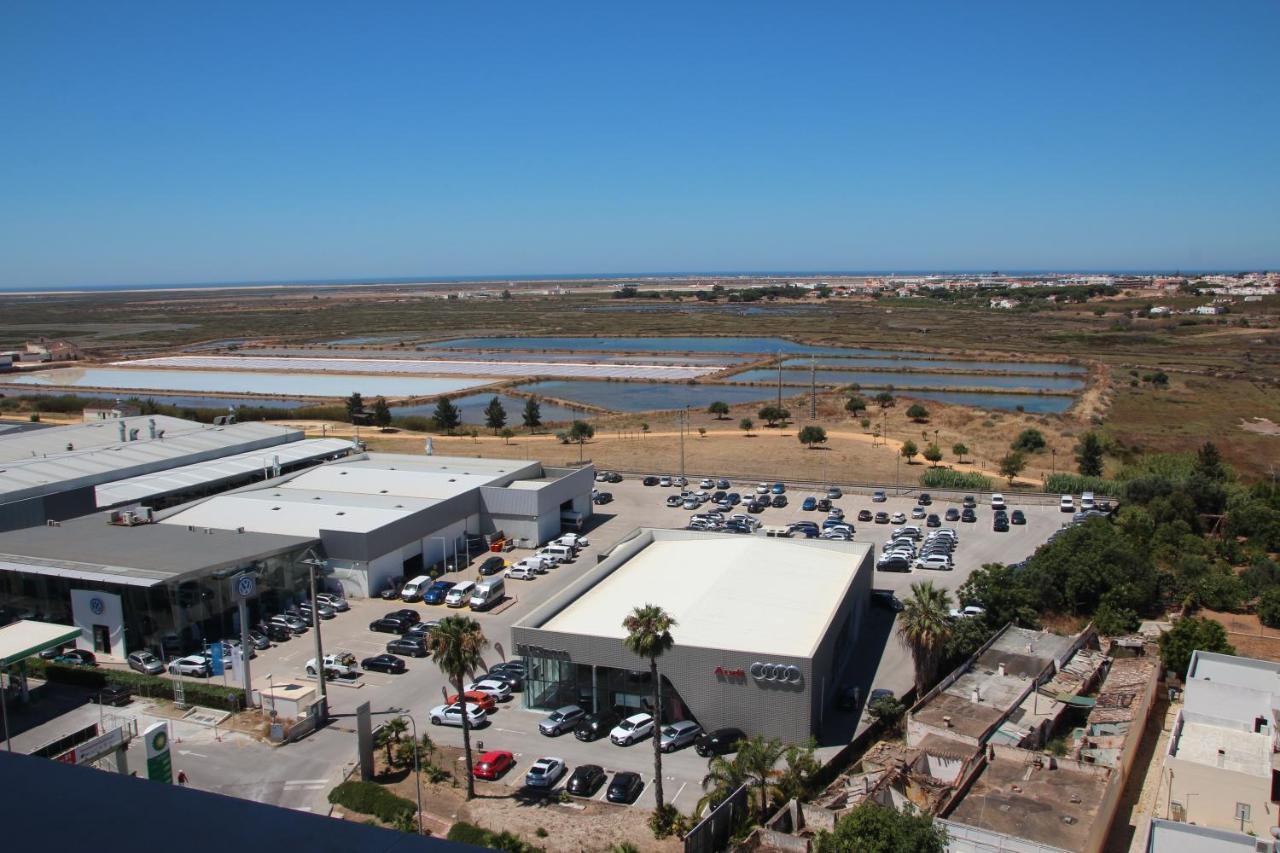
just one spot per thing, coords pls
(336, 665)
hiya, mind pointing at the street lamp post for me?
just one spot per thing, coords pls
(322, 700)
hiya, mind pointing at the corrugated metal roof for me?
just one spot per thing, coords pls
(215, 471)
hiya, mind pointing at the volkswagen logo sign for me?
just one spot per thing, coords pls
(775, 672)
(246, 586)
(97, 605)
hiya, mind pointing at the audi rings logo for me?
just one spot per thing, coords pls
(775, 672)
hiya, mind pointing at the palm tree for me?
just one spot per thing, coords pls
(757, 757)
(455, 645)
(724, 776)
(649, 635)
(925, 625)
(391, 732)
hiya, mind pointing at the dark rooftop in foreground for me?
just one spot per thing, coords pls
(142, 555)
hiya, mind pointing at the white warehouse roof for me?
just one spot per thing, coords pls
(216, 471)
(738, 593)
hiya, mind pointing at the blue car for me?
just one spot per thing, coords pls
(779, 489)
(436, 593)
(810, 504)
(808, 532)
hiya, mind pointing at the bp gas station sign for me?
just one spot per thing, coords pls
(159, 762)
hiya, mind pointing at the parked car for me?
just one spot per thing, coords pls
(882, 518)
(521, 573)
(392, 591)
(885, 598)
(824, 505)
(545, 772)
(967, 612)
(258, 639)
(407, 646)
(390, 624)
(337, 602)
(451, 715)
(1000, 524)
(1067, 503)
(894, 563)
(718, 742)
(499, 690)
(341, 664)
(633, 728)
(197, 665)
(435, 594)
(493, 764)
(834, 493)
(146, 663)
(865, 515)
(389, 664)
(969, 502)
(925, 499)
(677, 735)
(595, 726)
(935, 562)
(675, 501)
(76, 657)
(809, 504)
(482, 700)
(1017, 517)
(491, 566)
(585, 780)
(997, 501)
(664, 482)
(968, 515)
(561, 720)
(295, 624)
(324, 610)
(300, 615)
(918, 512)
(649, 481)
(625, 787)
(601, 498)
(276, 632)
(779, 501)
(879, 496)
(420, 630)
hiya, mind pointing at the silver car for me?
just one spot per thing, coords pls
(337, 602)
(678, 734)
(561, 720)
(145, 663)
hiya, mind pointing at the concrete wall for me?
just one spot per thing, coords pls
(84, 603)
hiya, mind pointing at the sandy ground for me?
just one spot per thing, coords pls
(1250, 637)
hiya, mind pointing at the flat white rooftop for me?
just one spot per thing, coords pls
(1228, 749)
(738, 593)
(363, 479)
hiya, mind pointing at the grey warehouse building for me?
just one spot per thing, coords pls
(764, 626)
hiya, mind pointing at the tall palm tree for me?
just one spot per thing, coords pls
(392, 730)
(649, 636)
(757, 758)
(456, 645)
(924, 626)
(724, 776)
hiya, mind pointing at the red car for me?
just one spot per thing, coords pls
(493, 764)
(484, 701)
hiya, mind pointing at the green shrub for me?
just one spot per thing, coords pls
(945, 478)
(369, 798)
(151, 686)
(1074, 484)
(468, 833)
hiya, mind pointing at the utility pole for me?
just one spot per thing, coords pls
(322, 700)
(684, 422)
(813, 388)
(779, 379)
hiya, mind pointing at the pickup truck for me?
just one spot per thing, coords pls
(336, 665)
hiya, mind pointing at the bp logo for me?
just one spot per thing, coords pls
(246, 586)
(159, 741)
(97, 606)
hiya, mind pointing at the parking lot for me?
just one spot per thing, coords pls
(511, 727)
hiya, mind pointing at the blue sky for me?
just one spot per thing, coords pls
(146, 143)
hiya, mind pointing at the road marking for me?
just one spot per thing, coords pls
(192, 754)
(678, 793)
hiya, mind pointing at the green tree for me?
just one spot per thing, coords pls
(1089, 454)
(1208, 463)
(381, 413)
(532, 413)
(1029, 441)
(1088, 561)
(855, 404)
(886, 712)
(724, 776)
(1012, 464)
(390, 733)
(495, 415)
(909, 450)
(1269, 608)
(758, 756)
(649, 636)
(355, 405)
(958, 450)
(507, 434)
(884, 399)
(797, 777)
(864, 423)
(924, 624)
(1189, 634)
(746, 425)
(581, 432)
(933, 453)
(873, 828)
(1002, 592)
(719, 408)
(446, 415)
(456, 645)
(771, 414)
(918, 413)
(811, 436)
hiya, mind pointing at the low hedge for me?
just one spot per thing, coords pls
(945, 478)
(370, 798)
(152, 686)
(468, 833)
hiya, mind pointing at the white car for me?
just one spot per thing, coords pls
(918, 512)
(1087, 502)
(898, 518)
(936, 562)
(762, 488)
(191, 665)
(967, 612)
(545, 772)
(633, 728)
(520, 572)
(664, 481)
(909, 530)
(451, 715)
(707, 483)
(551, 560)
(338, 663)
(499, 690)
(1067, 504)
(997, 501)
(573, 540)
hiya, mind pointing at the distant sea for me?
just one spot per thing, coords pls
(638, 277)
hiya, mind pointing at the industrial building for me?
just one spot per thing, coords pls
(763, 629)
(51, 474)
(383, 517)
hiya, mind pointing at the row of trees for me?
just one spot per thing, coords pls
(446, 415)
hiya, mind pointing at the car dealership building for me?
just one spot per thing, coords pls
(763, 628)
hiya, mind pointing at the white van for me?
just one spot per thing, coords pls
(1087, 502)
(536, 564)
(573, 540)
(460, 594)
(563, 553)
(414, 589)
(488, 593)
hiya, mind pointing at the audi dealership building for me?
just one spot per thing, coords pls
(763, 629)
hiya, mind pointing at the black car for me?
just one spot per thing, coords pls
(509, 677)
(932, 520)
(384, 663)
(390, 624)
(492, 565)
(115, 695)
(392, 592)
(602, 498)
(882, 518)
(407, 646)
(1018, 517)
(886, 599)
(718, 742)
(970, 502)
(893, 564)
(924, 500)
(756, 506)
(77, 657)
(968, 515)
(650, 481)
(625, 787)
(953, 514)
(779, 501)
(1000, 524)
(586, 780)
(865, 515)
(276, 633)
(613, 477)
(824, 505)
(305, 615)
(596, 726)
